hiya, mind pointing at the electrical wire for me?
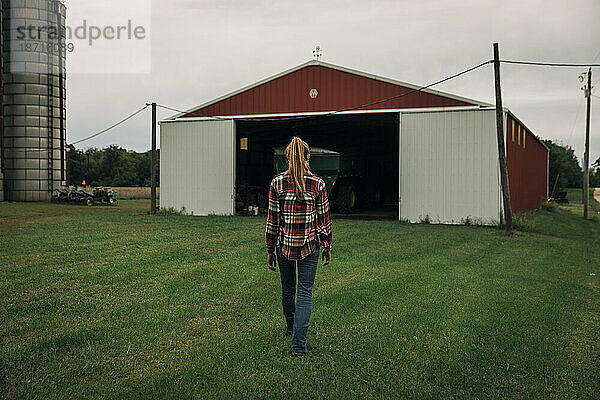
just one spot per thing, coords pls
(579, 108)
(273, 124)
(110, 127)
(169, 108)
(184, 112)
(592, 64)
(299, 117)
(560, 64)
(416, 90)
(299, 127)
(549, 64)
(597, 80)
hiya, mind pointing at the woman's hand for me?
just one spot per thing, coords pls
(326, 256)
(271, 263)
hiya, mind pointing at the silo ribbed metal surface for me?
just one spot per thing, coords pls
(1, 116)
(34, 125)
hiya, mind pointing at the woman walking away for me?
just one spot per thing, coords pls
(298, 224)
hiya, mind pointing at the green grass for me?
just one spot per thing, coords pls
(109, 302)
(575, 197)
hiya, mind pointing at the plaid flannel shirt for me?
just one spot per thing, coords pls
(297, 224)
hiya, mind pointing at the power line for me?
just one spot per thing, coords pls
(581, 101)
(300, 117)
(595, 58)
(416, 90)
(275, 124)
(559, 64)
(169, 108)
(538, 63)
(419, 89)
(111, 127)
(184, 112)
(550, 64)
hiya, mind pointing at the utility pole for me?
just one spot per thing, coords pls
(153, 163)
(586, 154)
(501, 146)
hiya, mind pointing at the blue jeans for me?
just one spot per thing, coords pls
(297, 315)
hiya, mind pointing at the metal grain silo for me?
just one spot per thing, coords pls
(2, 165)
(33, 75)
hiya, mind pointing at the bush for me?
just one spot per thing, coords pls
(521, 222)
(170, 211)
(549, 206)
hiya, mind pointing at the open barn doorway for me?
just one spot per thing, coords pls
(356, 154)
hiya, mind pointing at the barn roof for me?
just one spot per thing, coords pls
(337, 88)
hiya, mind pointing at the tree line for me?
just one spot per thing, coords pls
(111, 166)
(115, 166)
(565, 167)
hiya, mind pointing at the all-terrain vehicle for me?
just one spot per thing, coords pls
(75, 195)
(104, 195)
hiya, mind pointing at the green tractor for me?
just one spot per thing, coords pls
(351, 180)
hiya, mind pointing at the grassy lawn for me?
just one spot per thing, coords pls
(109, 302)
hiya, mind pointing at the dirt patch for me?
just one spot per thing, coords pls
(54, 211)
(15, 222)
(46, 209)
(25, 218)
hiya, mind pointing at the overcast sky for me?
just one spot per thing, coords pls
(203, 49)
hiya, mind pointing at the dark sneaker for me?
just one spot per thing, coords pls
(294, 354)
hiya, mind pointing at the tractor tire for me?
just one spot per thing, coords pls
(375, 199)
(88, 202)
(346, 198)
(111, 200)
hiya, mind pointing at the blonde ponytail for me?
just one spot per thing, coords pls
(298, 154)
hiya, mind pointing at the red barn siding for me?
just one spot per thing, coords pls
(337, 89)
(527, 167)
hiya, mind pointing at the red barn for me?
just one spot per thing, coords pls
(527, 162)
(426, 154)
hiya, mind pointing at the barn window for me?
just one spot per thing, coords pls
(513, 129)
(244, 143)
(524, 134)
(519, 134)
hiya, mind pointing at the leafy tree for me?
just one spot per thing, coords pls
(111, 166)
(595, 174)
(564, 162)
(77, 165)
